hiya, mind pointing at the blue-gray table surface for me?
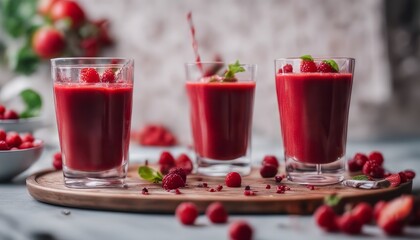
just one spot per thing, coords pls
(22, 217)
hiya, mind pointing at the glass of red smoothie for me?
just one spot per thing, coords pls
(93, 101)
(221, 116)
(314, 99)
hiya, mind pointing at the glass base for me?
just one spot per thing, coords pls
(212, 167)
(315, 174)
(113, 178)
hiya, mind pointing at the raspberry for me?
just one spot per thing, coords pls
(270, 160)
(249, 193)
(278, 179)
(186, 213)
(205, 184)
(177, 191)
(13, 139)
(3, 145)
(240, 230)
(2, 109)
(364, 212)
(2, 135)
(164, 169)
(145, 191)
(89, 75)
(353, 167)
(287, 68)
(219, 188)
(156, 135)
(377, 209)
(27, 137)
(403, 177)
(360, 160)
(325, 67)
(350, 224)
(166, 158)
(268, 171)
(377, 157)
(10, 114)
(180, 172)
(326, 218)
(394, 179)
(233, 179)
(26, 145)
(307, 64)
(216, 213)
(410, 174)
(310, 187)
(184, 162)
(212, 190)
(57, 161)
(372, 169)
(108, 76)
(247, 187)
(172, 181)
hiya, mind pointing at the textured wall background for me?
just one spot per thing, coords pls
(155, 33)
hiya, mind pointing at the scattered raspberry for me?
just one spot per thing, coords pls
(310, 187)
(372, 169)
(410, 174)
(13, 139)
(156, 135)
(325, 67)
(364, 212)
(3, 145)
(278, 179)
(177, 191)
(212, 190)
(26, 145)
(27, 137)
(145, 191)
(184, 162)
(350, 224)
(395, 213)
(89, 75)
(216, 213)
(219, 188)
(267, 186)
(10, 115)
(180, 172)
(326, 218)
(268, 171)
(249, 193)
(186, 213)
(403, 177)
(282, 189)
(394, 179)
(172, 181)
(205, 184)
(3, 135)
(58, 161)
(288, 68)
(270, 160)
(233, 179)
(108, 76)
(247, 187)
(240, 230)
(377, 209)
(377, 157)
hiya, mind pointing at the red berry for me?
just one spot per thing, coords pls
(268, 171)
(325, 67)
(172, 181)
(145, 191)
(44, 6)
(410, 174)
(216, 213)
(68, 10)
(377, 209)
(4, 145)
(180, 172)
(270, 160)
(403, 177)
(156, 135)
(26, 145)
(325, 217)
(48, 42)
(2, 109)
(57, 161)
(394, 179)
(350, 224)
(27, 137)
(288, 68)
(360, 160)
(108, 76)
(267, 186)
(395, 213)
(372, 169)
(166, 158)
(3, 135)
(233, 179)
(184, 162)
(353, 167)
(219, 188)
(58, 156)
(10, 115)
(278, 179)
(89, 75)
(240, 230)
(164, 169)
(13, 139)
(377, 157)
(308, 66)
(249, 193)
(186, 213)
(364, 212)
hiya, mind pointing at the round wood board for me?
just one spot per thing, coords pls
(48, 187)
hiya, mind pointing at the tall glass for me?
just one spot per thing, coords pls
(93, 102)
(314, 109)
(221, 118)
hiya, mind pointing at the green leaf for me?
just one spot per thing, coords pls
(33, 102)
(360, 178)
(307, 58)
(149, 174)
(25, 61)
(332, 200)
(333, 64)
(232, 70)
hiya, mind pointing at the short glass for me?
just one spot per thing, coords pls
(221, 118)
(93, 103)
(314, 109)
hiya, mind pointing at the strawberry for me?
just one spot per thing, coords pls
(48, 42)
(89, 75)
(364, 212)
(26, 145)
(350, 224)
(4, 145)
(394, 179)
(184, 162)
(377, 209)
(307, 64)
(3, 135)
(108, 76)
(65, 9)
(10, 115)
(394, 215)
(410, 174)
(403, 177)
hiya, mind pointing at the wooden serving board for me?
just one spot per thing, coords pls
(48, 187)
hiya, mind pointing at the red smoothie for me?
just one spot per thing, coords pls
(314, 113)
(94, 124)
(221, 117)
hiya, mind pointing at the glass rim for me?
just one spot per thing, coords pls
(89, 58)
(316, 58)
(218, 62)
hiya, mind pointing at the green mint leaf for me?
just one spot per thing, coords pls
(360, 178)
(232, 70)
(33, 102)
(333, 64)
(307, 58)
(149, 174)
(332, 200)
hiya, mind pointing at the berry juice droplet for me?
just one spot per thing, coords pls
(194, 43)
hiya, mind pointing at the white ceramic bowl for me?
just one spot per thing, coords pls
(21, 125)
(14, 162)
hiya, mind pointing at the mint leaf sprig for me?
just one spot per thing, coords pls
(232, 70)
(33, 102)
(149, 174)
